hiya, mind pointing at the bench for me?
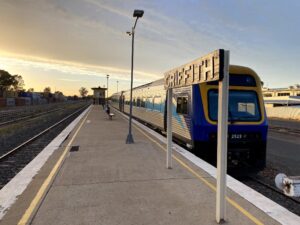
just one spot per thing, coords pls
(111, 115)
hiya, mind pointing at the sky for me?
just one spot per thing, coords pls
(68, 44)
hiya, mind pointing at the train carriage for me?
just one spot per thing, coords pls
(194, 116)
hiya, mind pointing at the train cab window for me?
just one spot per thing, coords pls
(246, 107)
(182, 105)
(243, 105)
(157, 103)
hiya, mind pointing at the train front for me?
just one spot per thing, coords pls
(247, 123)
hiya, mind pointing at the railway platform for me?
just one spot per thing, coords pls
(95, 178)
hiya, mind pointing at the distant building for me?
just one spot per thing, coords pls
(99, 95)
(278, 92)
(282, 96)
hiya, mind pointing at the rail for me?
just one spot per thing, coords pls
(38, 135)
(28, 117)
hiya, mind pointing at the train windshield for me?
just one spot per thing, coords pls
(243, 105)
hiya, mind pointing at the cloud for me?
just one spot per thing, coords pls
(87, 37)
(69, 80)
(75, 68)
(109, 8)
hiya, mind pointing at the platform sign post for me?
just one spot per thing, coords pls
(222, 142)
(211, 67)
(169, 128)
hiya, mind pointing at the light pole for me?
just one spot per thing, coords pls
(107, 76)
(138, 14)
(117, 86)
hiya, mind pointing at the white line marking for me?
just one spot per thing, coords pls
(15, 187)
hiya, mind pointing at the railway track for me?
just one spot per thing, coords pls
(14, 113)
(267, 189)
(14, 160)
(23, 118)
(284, 130)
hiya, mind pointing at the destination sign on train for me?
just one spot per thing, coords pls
(204, 69)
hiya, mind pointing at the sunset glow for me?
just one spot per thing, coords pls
(69, 44)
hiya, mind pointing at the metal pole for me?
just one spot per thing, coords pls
(169, 128)
(129, 139)
(222, 142)
(107, 76)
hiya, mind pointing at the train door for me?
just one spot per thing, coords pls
(122, 102)
(182, 114)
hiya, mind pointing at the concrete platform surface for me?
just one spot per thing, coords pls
(109, 182)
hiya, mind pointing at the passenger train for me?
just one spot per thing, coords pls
(195, 113)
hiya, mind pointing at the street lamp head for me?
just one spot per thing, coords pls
(138, 13)
(107, 76)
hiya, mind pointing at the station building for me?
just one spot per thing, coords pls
(274, 97)
(99, 95)
(279, 92)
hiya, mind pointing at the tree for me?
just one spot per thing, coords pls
(59, 96)
(47, 90)
(18, 83)
(83, 92)
(10, 82)
(6, 80)
(30, 90)
(58, 93)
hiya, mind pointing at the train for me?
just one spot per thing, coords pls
(195, 114)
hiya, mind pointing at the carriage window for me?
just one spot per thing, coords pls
(182, 105)
(157, 103)
(143, 103)
(149, 104)
(138, 102)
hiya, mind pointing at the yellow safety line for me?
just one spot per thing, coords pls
(38, 197)
(205, 181)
